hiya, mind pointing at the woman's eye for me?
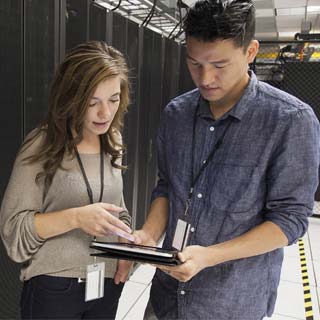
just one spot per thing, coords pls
(115, 101)
(92, 104)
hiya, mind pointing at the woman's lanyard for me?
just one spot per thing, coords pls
(95, 272)
(89, 190)
(206, 162)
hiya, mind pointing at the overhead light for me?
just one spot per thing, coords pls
(264, 35)
(264, 13)
(290, 11)
(313, 9)
(287, 34)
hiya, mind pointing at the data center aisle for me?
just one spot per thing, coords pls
(298, 294)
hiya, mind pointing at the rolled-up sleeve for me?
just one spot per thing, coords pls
(292, 176)
(22, 199)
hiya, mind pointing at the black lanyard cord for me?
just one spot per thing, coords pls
(210, 157)
(89, 190)
(206, 162)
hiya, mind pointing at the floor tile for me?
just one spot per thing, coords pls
(291, 270)
(280, 317)
(316, 208)
(290, 300)
(137, 312)
(318, 291)
(316, 269)
(292, 251)
(130, 295)
(143, 274)
(314, 232)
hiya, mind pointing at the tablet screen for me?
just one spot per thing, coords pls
(130, 247)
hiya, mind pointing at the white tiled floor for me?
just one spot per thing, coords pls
(290, 303)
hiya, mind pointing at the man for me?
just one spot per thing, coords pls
(238, 161)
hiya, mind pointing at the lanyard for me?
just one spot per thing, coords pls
(206, 162)
(89, 190)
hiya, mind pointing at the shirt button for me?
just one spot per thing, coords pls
(199, 195)
(204, 161)
(182, 292)
(192, 229)
(211, 128)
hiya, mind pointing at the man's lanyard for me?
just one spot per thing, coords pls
(89, 190)
(205, 162)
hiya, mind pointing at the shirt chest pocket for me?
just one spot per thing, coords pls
(235, 188)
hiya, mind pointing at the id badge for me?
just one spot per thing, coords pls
(95, 281)
(181, 235)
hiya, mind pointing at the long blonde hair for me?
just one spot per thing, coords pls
(74, 83)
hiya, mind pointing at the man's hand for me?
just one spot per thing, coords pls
(193, 258)
(122, 272)
(144, 238)
(123, 267)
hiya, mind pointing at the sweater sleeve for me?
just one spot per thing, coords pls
(124, 216)
(22, 199)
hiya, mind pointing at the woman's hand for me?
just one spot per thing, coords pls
(98, 220)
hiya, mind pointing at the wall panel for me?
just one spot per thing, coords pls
(185, 80)
(39, 59)
(171, 70)
(11, 129)
(131, 123)
(77, 22)
(97, 23)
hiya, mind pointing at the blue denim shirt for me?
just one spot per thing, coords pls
(265, 170)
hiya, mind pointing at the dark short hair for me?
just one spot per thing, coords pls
(210, 20)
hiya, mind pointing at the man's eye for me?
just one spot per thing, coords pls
(219, 67)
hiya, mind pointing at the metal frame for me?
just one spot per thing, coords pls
(59, 31)
(163, 21)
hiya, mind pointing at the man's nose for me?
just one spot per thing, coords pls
(206, 76)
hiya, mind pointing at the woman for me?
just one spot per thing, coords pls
(66, 190)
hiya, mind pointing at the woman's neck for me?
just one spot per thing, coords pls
(89, 145)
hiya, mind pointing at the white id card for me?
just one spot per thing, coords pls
(95, 281)
(181, 235)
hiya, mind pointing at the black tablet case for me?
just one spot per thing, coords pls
(136, 256)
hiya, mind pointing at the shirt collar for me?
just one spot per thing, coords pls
(240, 108)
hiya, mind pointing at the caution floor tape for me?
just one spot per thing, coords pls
(305, 282)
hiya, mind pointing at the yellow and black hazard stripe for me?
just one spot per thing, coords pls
(305, 282)
(274, 55)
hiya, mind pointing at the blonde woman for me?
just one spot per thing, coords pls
(66, 190)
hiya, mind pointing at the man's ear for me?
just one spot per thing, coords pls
(252, 50)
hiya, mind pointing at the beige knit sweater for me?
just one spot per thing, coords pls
(67, 254)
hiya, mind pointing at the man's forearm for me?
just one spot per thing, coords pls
(157, 219)
(261, 239)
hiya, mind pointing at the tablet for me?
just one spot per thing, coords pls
(135, 252)
(136, 248)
